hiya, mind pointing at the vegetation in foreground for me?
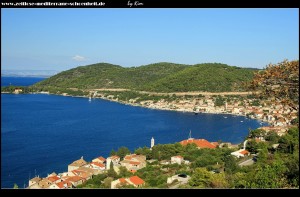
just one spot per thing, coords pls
(216, 168)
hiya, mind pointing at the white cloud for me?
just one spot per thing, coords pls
(79, 58)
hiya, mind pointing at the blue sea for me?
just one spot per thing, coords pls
(20, 81)
(44, 133)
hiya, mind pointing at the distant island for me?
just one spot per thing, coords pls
(158, 77)
(28, 73)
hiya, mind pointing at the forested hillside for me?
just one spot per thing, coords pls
(159, 77)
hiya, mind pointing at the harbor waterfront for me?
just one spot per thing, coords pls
(44, 133)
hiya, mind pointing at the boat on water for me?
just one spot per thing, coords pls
(90, 99)
(225, 116)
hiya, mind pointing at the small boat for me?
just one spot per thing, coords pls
(242, 121)
(225, 116)
(90, 99)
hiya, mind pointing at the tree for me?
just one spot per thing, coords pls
(268, 176)
(204, 161)
(144, 151)
(218, 180)
(122, 152)
(111, 172)
(107, 182)
(219, 101)
(16, 186)
(124, 172)
(257, 133)
(262, 155)
(113, 152)
(230, 164)
(280, 81)
(252, 146)
(272, 137)
(292, 173)
(295, 121)
(201, 178)
(289, 142)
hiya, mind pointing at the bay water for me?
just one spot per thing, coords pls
(41, 134)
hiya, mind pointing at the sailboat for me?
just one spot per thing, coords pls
(90, 98)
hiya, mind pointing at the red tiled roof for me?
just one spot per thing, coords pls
(101, 165)
(128, 157)
(101, 158)
(215, 143)
(201, 143)
(134, 162)
(244, 152)
(74, 179)
(53, 178)
(136, 180)
(61, 184)
(178, 156)
(122, 180)
(114, 157)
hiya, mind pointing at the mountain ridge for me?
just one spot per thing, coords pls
(159, 77)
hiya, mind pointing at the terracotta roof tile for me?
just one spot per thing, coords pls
(134, 162)
(244, 152)
(136, 180)
(114, 157)
(79, 162)
(179, 156)
(62, 185)
(122, 180)
(53, 178)
(101, 165)
(201, 143)
(74, 179)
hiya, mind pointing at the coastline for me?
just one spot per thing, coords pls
(153, 108)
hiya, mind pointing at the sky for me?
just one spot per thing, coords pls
(64, 38)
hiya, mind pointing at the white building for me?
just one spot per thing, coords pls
(181, 178)
(114, 159)
(177, 159)
(240, 153)
(76, 164)
(152, 143)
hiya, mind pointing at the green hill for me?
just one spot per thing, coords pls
(210, 77)
(159, 77)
